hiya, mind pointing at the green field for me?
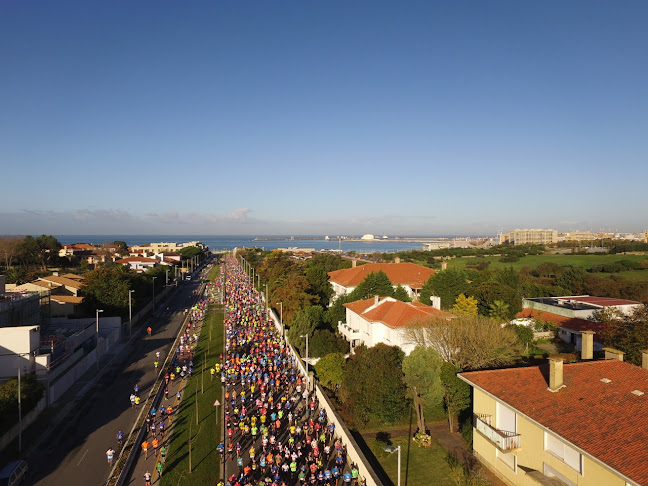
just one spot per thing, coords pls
(427, 466)
(204, 458)
(583, 261)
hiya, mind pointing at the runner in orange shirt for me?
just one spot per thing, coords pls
(145, 446)
(155, 444)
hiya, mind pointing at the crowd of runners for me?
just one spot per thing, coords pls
(276, 433)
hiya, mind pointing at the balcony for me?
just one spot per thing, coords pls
(504, 440)
(348, 332)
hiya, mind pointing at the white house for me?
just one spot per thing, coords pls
(139, 264)
(377, 320)
(409, 275)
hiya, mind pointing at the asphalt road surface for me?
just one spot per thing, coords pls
(76, 451)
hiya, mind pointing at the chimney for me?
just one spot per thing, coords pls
(644, 359)
(555, 373)
(587, 345)
(436, 301)
(444, 265)
(354, 263)
(611, 353)
(376, 298)
(397, 260)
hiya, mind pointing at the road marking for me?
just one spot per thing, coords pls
(84, 454)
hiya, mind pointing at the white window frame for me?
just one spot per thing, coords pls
(566, 450)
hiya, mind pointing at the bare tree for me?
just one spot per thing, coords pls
(10, 249)
(468, 342)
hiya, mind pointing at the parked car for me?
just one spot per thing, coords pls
(13, 473)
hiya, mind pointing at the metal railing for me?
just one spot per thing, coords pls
(504, 440)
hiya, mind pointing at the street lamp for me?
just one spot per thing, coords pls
(266, 298)
(153, 293)
(167, 277)
(306, 359)
(97, 353)
(130, 313)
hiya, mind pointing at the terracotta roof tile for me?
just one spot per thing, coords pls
(606, 420)
(136, 259)
(603, 301)
(571, 323)
(69, 299)
(394, 313)
(399, 273)
(63, 281)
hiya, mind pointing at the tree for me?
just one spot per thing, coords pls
(421, 369)
(324, 342)
(304, 323)
(524, 334)
(41, 249)
(317, 277)
(293, 293)
(107, 289)
(489, 292)
(330, 370)
(499, 311)
(9, 249)
(373, 388)
(468, 342)
(376, 283)
(401, 294)
(123, 247)
(448, 285)
(456, 392)
(573, 280)
(628, 333)
(465, 306)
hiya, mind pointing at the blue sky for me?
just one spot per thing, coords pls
(336, 117)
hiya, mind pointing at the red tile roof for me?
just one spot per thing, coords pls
(399, 273)
(603, 301)
(394, 313)
(606, 420)
(571, 323)
(136, 259)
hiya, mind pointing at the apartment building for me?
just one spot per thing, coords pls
(530, 237)
(563, 424)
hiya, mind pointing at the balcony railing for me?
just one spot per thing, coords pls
(504, 440)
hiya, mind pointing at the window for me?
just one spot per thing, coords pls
(507, 458)
(505, 418)
(562, 451)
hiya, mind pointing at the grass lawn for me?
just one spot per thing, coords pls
(213, 274)
(427, 466)
(205, 460)
(583, 261)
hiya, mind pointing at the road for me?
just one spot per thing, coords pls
(76, 452)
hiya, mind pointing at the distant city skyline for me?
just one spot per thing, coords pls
(263, 118)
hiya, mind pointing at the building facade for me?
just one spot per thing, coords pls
(530, 237)
(563, 424)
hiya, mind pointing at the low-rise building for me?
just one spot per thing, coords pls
(580, 306)
(139, 264)
(384, 320)
(563, 424)
(408, 275)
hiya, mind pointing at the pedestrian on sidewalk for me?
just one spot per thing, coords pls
(110, 453)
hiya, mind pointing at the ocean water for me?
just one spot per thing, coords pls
(230, 242)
